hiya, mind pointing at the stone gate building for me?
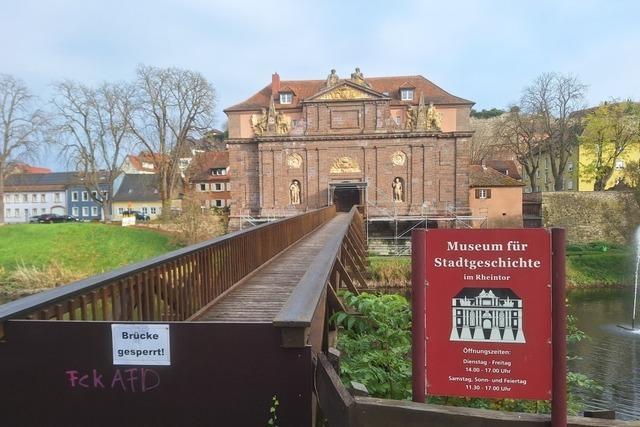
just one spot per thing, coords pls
(398, 145)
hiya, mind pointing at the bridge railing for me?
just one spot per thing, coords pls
(340, 263)
(170, 287)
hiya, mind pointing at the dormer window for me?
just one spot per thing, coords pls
(406, 94)
(286, 97)
(147, 165)
(219, 171)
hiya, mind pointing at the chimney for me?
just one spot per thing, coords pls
(275, 84)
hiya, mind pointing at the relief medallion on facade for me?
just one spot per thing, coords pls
(294, 161)
(344, 164)
(398, 158)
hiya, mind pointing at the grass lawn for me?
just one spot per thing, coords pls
(589, 265)
(83, 249)
(599, 264)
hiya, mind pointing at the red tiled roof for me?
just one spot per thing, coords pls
(200, 168)
(505, 167)
(304, 89)
(482, 176)
(25, 168)
(136, 161)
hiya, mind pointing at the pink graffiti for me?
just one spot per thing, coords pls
(128, 380)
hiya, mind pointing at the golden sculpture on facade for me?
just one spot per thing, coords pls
(344, 164)
(294, 161)
(283, 124)
(423, 118)
(344, 92)
(259, 122)
(398, 158)
(270, 122)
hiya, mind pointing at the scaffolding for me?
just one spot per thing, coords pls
(246, 220)
(430, 217)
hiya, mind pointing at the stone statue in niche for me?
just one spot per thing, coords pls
(397, 189)
(294, 192)
(332, 79)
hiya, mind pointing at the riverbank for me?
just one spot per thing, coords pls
(594, 265)
(36, 257)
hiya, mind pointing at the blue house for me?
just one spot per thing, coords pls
(81, 201)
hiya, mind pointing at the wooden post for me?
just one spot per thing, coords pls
(559, 329)
(418, 280)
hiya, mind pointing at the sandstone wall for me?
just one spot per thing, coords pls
(593, 216)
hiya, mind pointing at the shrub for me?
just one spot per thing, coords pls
(390, 271)
(29, 279)
(376, 343)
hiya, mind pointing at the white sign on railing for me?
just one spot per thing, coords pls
(135, 344)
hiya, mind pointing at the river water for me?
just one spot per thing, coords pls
(611, 355)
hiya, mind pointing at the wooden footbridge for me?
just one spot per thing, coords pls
(229, 332)
(245, 314)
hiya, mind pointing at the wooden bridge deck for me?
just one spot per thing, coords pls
(260, 297)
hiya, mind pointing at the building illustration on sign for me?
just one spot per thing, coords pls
(487, 315)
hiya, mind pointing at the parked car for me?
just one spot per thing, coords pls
(52, 218)
(139, 215)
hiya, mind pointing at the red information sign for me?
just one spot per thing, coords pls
(488, 313)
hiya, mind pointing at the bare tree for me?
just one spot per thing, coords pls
(519, 133)
(21, 126)
(92, 128)
(172, 105)
(552, 99)
(485, 144)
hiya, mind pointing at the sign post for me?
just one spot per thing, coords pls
(559, 400)
(418, 283)
(484, 323)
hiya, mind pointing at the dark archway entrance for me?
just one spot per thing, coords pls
(346, 195)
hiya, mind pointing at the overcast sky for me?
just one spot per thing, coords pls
(485, 51)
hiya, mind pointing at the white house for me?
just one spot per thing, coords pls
(27, 195)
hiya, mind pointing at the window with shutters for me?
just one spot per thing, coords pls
(483, 193)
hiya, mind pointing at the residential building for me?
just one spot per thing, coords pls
(495, 196)
(586, 183)
(137, 192)
(395, 144)
(143, 163)
(510, 168)
(31, 194)
(83, 203)
(544, 176)
(26, 168)
(208, 177)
